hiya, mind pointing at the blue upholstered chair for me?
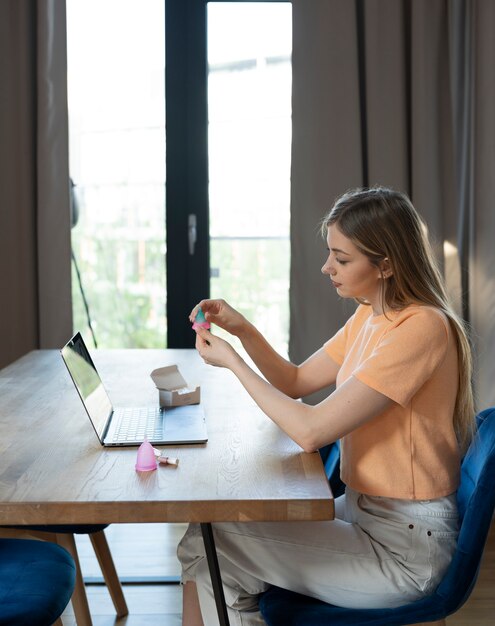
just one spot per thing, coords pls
(36, 582)
(330, 455)
(63, 535)
(476, 499)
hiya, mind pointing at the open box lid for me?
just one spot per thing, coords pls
(168, 378)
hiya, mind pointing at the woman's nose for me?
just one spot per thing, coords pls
(327, 269)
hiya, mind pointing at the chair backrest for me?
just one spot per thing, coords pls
(330, 455)
(476, 497)
(476, 501)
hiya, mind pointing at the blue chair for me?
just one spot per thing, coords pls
(330, 455)
(63, 535)
(476, 500)
(36, 582)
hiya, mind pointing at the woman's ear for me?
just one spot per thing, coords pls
(386, 268)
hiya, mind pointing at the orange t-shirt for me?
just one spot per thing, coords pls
(410, 451)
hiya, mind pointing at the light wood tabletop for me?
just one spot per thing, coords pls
(54, 470)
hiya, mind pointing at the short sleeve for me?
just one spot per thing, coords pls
(407, 355)
(336, 346)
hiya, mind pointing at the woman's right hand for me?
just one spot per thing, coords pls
(222, 314)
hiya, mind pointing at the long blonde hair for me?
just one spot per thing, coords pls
(383, 224)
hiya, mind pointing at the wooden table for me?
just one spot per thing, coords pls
(54, 471)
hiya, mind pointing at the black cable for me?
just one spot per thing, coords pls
(74, 218)
(85, 302)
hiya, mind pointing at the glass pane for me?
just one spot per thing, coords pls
(249, 135)
(116, 90)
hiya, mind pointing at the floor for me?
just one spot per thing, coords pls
(144, 555)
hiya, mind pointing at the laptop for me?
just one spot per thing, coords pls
(128, 426)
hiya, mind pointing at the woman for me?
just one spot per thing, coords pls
(402, 408)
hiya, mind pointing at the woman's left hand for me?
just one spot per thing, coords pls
(213, 350)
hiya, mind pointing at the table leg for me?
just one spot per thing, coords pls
(211, 556)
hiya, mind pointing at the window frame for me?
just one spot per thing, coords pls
(186, 122)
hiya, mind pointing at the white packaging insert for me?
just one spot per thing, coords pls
(172, 387)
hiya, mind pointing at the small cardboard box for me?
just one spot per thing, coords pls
(173, 389)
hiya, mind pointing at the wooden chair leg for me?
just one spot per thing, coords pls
(58, 622)
(79, 598)
(109, 572)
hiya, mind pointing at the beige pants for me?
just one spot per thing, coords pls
(378, 552)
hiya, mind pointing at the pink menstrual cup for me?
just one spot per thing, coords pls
(146, 460)
(200, 321)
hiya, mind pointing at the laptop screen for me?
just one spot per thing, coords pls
(88, 383)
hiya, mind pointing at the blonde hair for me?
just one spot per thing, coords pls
(383, 224)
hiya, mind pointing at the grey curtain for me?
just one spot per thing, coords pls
(398, 93)
(35, 288)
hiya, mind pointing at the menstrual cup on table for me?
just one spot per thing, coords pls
(200, 321)
(146, 460)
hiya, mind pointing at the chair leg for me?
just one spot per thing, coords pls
(58, 622)
(109, 572)
(79, 598)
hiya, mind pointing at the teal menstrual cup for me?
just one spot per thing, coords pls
(200, 321)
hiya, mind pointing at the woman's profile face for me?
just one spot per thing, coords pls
(351, 271)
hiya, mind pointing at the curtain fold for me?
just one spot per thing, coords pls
(481, 257)
(325, 158)
(413, 112)
(53, 190)
(387, 105)
(36, 310)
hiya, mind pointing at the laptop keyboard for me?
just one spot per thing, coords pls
(137, 423)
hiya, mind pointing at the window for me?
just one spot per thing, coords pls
(226, 124)
(249, 139)
(117, 161)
